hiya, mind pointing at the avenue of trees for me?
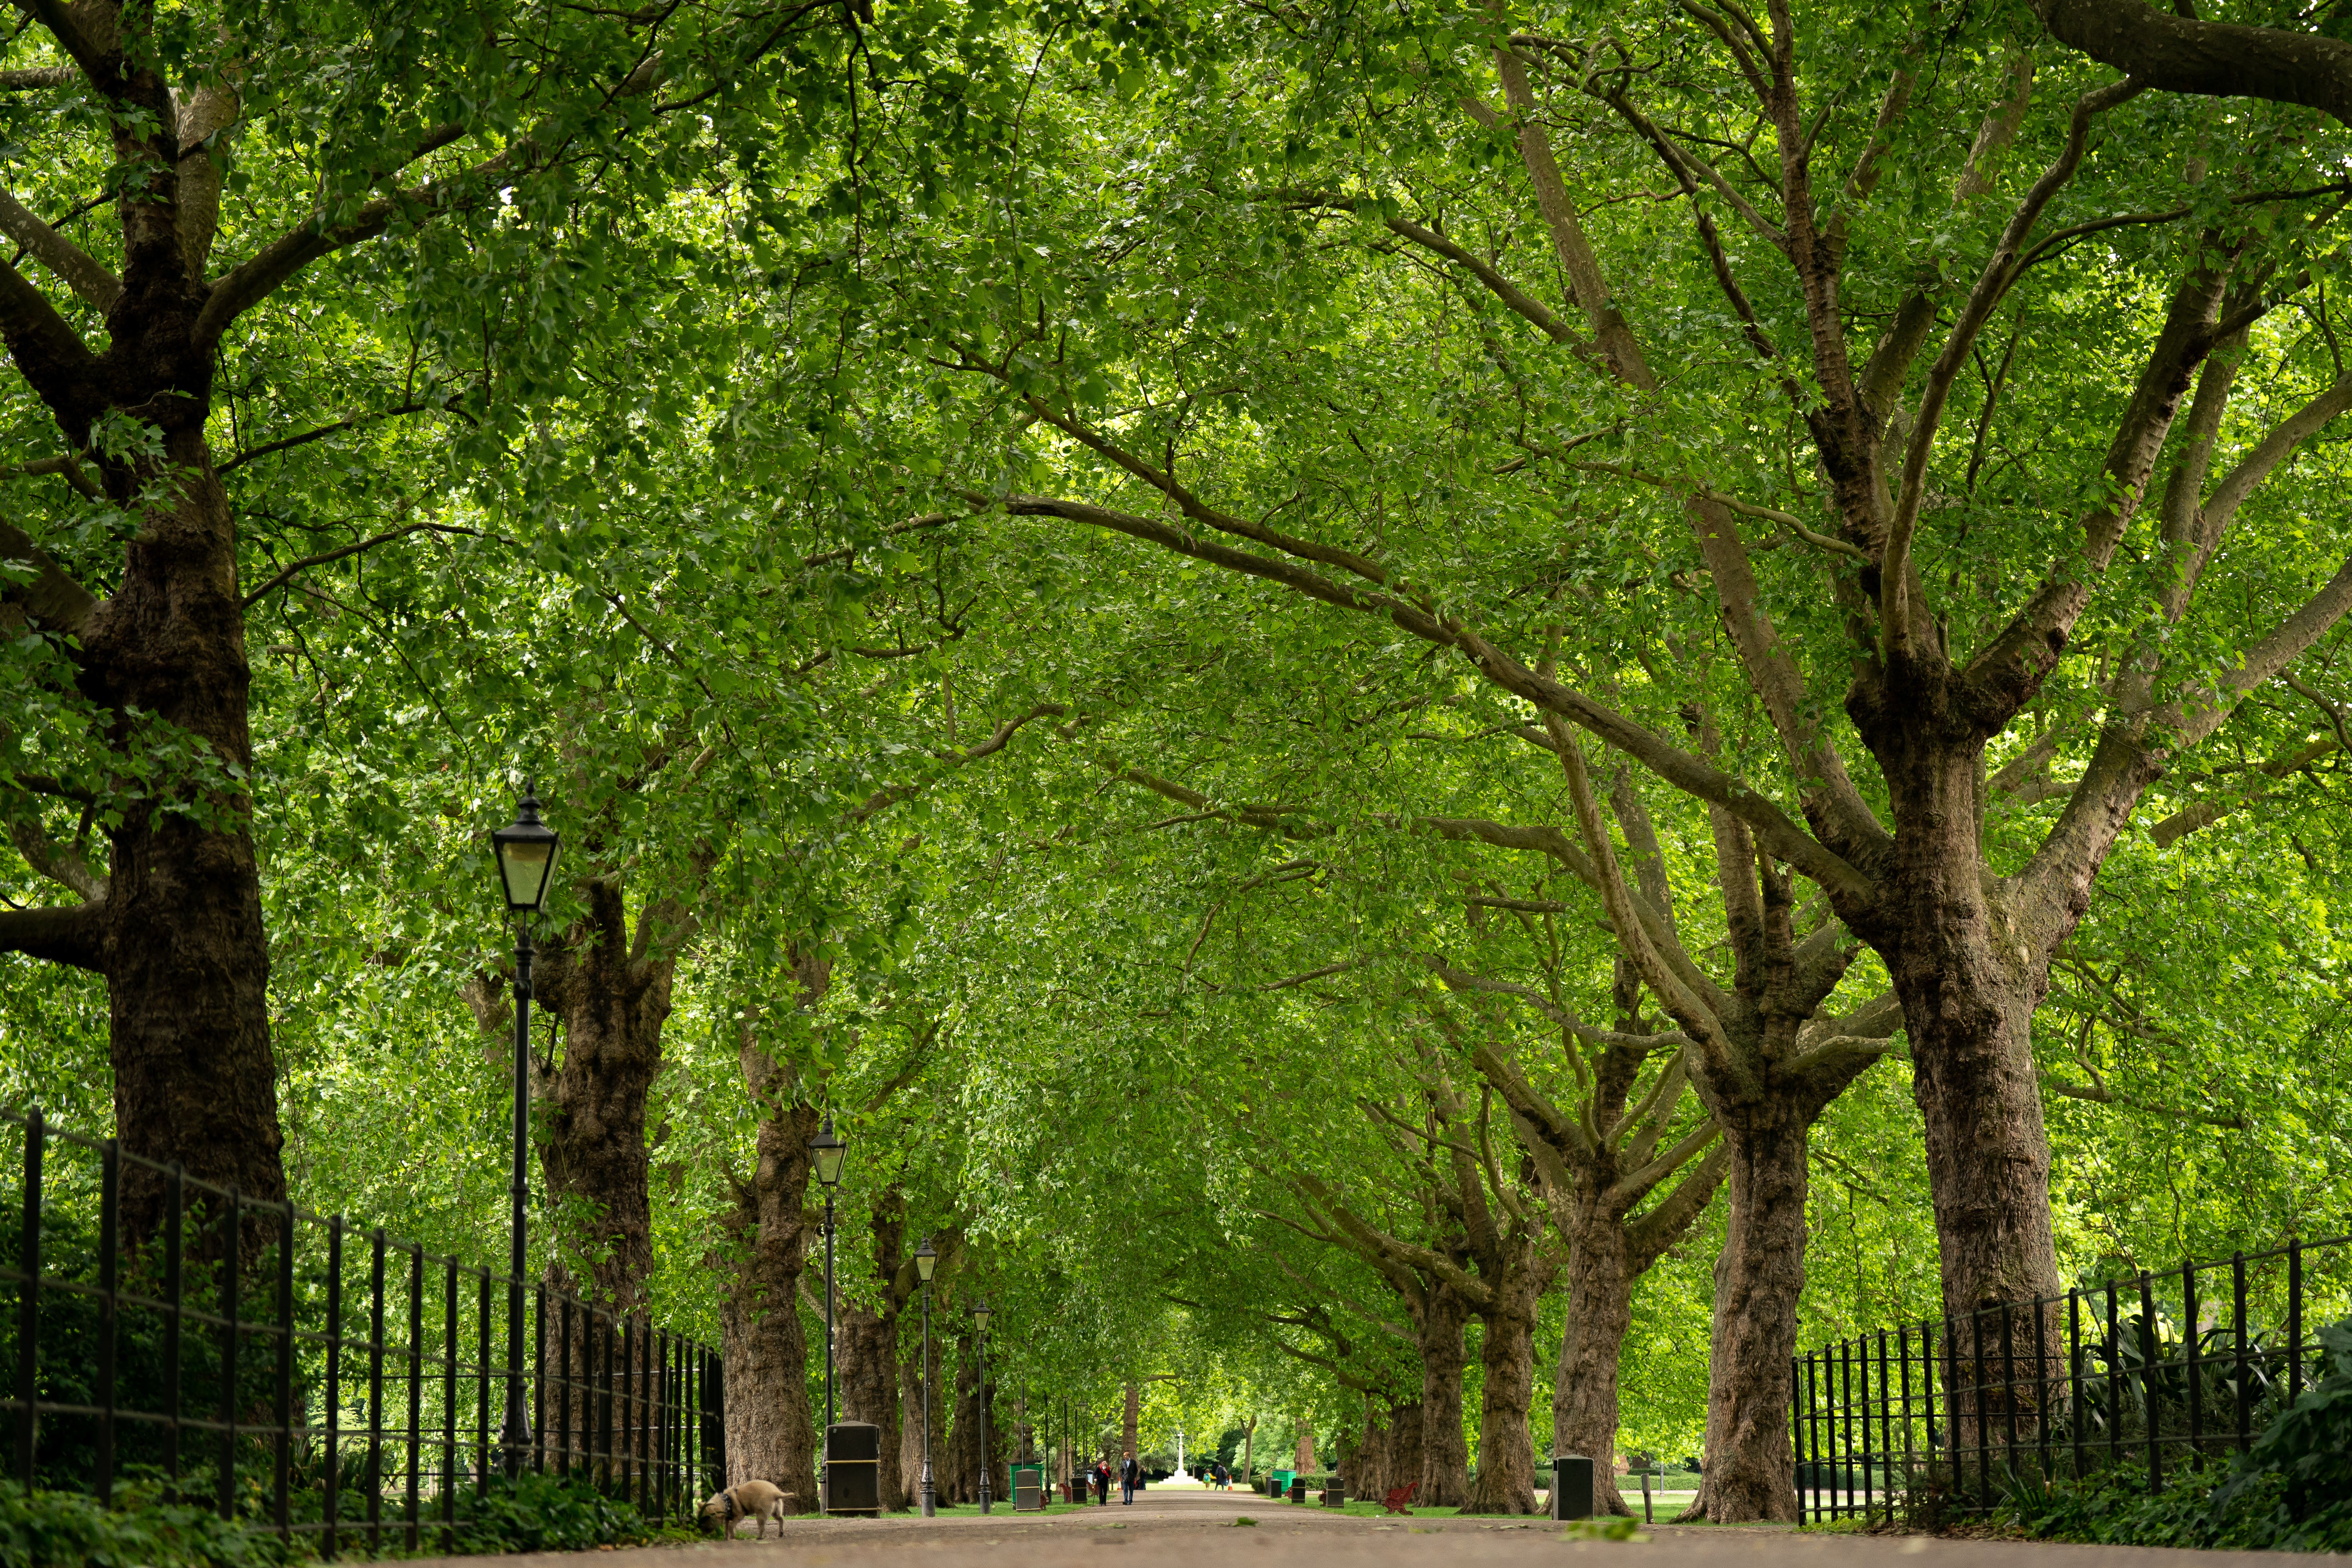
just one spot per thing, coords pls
(1434, 723)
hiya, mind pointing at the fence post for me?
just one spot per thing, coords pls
(109, 1206)
(282, 1481)
(28, 1303)
(232, 1260)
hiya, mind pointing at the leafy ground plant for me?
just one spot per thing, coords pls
(2290, 1491)
(527, 1514)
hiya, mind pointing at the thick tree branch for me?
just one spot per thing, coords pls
(52, 601)
(97, 287)
(72, 936)
(2180, 53)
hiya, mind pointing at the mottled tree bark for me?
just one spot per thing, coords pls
(868, 1344)
(1438, 1327)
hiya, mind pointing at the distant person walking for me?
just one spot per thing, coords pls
(1130, 1475)
(1102, 1483)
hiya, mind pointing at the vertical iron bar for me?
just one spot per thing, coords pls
(2008, 1382)
(416, 1390)
(375, 1391)
(1813, 1432)
(109, 1317)
(1928, 1383)
(285, 1477)
(174, 1213)
(2042, 1381)
(605, 1406)
(2148, 1380)
(1863, 1358)
(2191, 1366)
(539, 1379)
(1902, 1359)
(449, 1342)
(334, 1395)
(1796, 1433)
(482, 1390)
(2238, 1334)
(564, 1387)
(2075, 1375)
(232, 1257)
(2294, 1321)
(2114, 1382)
(1885, 1410)
(1984, 1427)
(28, 1302)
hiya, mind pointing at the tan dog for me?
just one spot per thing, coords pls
(747, 1499)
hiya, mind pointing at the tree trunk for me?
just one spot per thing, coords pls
(187, 960)
(1445, 1450)
(1584, 1392)
(868, 1352)
(770, 1428)
(1407, 1428)
(1758, 1278)
(593, 1130)
(1368, 1480)
(960, 1483)
(1302, 1459)
(1505, 1482)
(911, 1415)
(1969, 972)
(1249, 1446)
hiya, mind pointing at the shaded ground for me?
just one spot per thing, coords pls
(1198, 1530)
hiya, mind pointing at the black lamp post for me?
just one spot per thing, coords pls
(829, 1153)
(526, 856)
(927, 1258)
(980, 1314)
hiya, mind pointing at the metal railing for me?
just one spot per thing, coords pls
(306, 1376)
(2152, 1376)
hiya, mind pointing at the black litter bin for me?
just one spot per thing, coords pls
(853, 1469)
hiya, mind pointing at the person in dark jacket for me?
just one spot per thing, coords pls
(1102, 1483)
(1130, 1475)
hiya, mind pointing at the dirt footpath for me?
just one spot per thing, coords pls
(1197, 1530)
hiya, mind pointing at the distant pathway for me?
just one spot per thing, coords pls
(1196, 1530)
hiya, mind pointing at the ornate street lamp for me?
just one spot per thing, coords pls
(980, 1315)
(828, 1152)
(927, 1258)
(526, 858)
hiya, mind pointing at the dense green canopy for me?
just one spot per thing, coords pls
(1357, 686)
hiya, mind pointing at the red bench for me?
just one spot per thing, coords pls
(1400, 1499)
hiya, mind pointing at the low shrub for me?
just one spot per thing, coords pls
(69, 1529)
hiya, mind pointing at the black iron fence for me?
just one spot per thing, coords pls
(307, 1376)
(2152, 1376)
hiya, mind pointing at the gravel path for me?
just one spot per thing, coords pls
(1198, 1530)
